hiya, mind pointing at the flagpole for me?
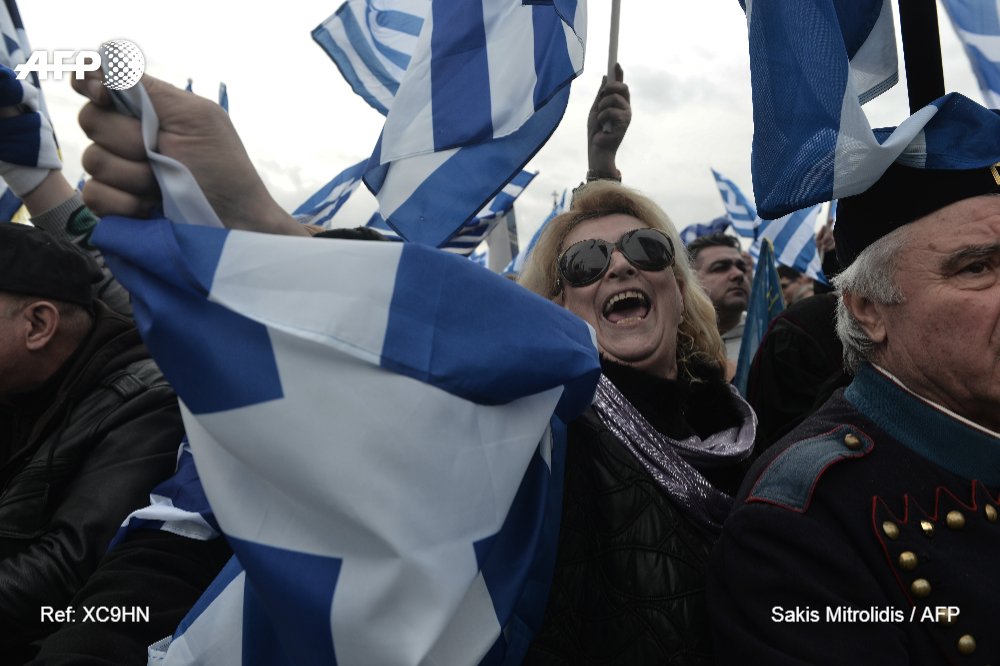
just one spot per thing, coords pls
(616, 10)
(918, 25)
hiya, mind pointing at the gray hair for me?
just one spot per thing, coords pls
(871, 276)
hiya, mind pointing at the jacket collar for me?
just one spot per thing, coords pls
(926, 428)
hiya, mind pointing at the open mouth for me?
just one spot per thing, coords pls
(626, 306)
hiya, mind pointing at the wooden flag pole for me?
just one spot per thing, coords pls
(616, 10)
(918, 25)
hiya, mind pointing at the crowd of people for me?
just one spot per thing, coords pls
(828, 518)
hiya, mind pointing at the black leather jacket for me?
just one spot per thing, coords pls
(82, 453)
(629, 580)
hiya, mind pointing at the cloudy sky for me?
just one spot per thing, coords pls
(686, 64)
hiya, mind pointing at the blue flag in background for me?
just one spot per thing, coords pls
(739, 210)
(467, 239)
(320, 208)
(371, 42)
(486, 86)
(977, 24)
(766, 303)
(383, 449)
(793, 237)
(692, 231)
(517, 263)
(812, 140)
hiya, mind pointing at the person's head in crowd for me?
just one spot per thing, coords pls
(920, 296)
(724, 274)
(616, 260)
(46, 305)
(794, 285)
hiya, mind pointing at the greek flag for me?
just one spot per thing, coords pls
(812, 140)
(766, 303)
(486, 86)
(977, 24)
(177, 505)
(467, 239)
(693, 231)
(383, 452)
(28, 149)
(793, 235)
(517, 264)
(320, 208)
(371, 42)
(794, 240)
(741, 213)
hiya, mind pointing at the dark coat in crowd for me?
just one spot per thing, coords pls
(629, 583)
(78, 455)
(867, 536)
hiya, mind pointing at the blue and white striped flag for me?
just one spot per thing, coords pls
(28, 149)
(371, 42)
(794, 240)
(383, 452)
(765, 303)
(812, 140)
(693, 231)
(486, 86)
(977, 24)
(793, 235)
(468, 238)
(739, 210)
(320, 208)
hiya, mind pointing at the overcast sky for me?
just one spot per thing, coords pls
(686, 64)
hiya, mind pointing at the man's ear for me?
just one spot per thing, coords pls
(41, 321)
(870, 316)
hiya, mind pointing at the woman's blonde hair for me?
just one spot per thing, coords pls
(698, 336)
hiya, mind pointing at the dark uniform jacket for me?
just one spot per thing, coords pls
(79, 454)
(868, 536)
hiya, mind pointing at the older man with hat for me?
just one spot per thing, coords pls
(88, 426)
(870, 534)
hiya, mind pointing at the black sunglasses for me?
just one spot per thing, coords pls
(585, 262)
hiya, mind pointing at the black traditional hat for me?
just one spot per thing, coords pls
(902, 195)
(35, 263)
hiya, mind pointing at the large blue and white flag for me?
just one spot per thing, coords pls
(516, 266)
(486, 86)
(741, 213)
(794, 240)
(766, 302)
(977, 24)
(371, 42)
(812, 140)
(382, 451)
(320, 208)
